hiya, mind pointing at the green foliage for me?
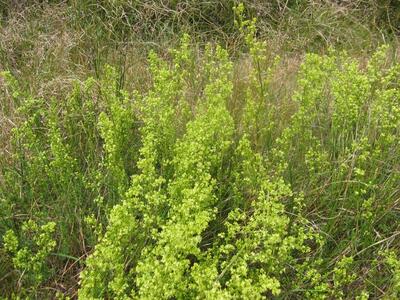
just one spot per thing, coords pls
(162, 273)
(29, 254)
(393, 262)
(59, 168)
(330, 152)
(202, 185)
(258, 111)
(143, 204)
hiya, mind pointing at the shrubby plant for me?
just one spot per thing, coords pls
(172, 193)
(29, 253)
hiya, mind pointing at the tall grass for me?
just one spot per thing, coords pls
(199, 170)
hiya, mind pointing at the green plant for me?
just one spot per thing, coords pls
(202, 171)
(143, 201)
(393, 262)
(30, 253)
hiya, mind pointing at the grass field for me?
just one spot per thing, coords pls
(200, 149)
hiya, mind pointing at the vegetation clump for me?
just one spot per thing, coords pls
(205, 172)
